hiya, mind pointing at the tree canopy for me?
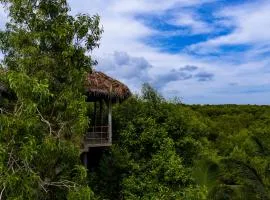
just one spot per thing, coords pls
(161, 149)
(45, 63)
(168, 150)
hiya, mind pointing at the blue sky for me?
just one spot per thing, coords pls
(204, 51)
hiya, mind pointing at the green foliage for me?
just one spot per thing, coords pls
(242, 145)
(41, 127)
(162, 149)
(168, 150)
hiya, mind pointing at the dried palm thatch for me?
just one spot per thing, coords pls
(101, 86)
(98, 86)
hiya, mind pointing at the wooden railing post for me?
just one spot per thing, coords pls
(110, 121)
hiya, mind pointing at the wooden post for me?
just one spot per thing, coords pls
(110, 120)
(95, 116)
(100, 113)
(85, 161)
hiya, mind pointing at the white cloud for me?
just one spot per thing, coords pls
(3, 17)
(150, 6)
(123, 33)
(251, 22)
(192, 21)
(124, 55)
(134, 71)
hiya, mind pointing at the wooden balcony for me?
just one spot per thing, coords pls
(98, 136)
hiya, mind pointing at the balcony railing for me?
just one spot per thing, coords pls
(97, 136)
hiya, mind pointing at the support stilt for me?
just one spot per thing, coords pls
(110, 121)
(85, 159)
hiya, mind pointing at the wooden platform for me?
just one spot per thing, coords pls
(99, 136)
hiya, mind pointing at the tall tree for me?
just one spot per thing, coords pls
(45, 61)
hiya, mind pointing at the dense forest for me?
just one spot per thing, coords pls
(169, 150)
(162, 149)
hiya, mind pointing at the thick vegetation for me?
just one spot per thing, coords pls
(42, 125)
(168, 150)
(163, 150)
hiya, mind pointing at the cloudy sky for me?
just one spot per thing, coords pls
(204, 51)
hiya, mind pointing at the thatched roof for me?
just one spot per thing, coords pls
(98, 86)
(101, 86)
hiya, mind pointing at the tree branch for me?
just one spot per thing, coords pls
(2, 191)
(45, 121)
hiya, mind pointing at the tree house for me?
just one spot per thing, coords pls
(103, 91)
